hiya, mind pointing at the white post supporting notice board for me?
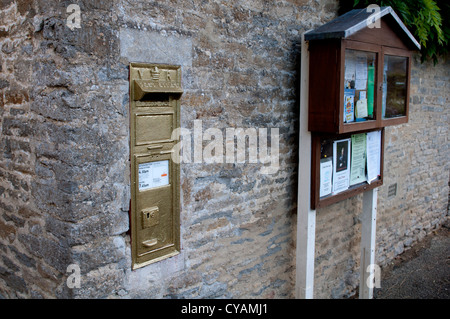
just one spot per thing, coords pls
(368, 239)
(306, 218)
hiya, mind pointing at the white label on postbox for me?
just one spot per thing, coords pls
(153, 174)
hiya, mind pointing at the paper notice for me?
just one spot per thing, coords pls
(361, 108)
(350, 68)
(358, 159)
(349, 113)
(362, 95)
(326, 174)
(361, 68)
(341, 165)
(360, 84)
(361, 73)
(373, 155)
(153, 174)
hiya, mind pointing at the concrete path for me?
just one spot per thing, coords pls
(422, 272)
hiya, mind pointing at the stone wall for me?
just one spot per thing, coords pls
(418, 155)
(64, 168)
(240, 70)
(64, 147)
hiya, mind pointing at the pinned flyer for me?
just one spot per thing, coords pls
(358, 159)
(341, 165)
(373, 145)
(361, 108)
(326, 176)
(153, 174)
(349, 113)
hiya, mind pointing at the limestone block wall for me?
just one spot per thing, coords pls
(64, 155)
(64, 147)
(418, 153)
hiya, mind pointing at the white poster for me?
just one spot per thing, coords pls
(350, 70)
(373, 144)
(326, 174)
(361, 73)
(361, 68)
(341, 165)
(153, 174)
(358, 159)
(361, 109)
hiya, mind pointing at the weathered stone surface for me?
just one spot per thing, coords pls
(135, 44)
(90, 228)
(98, 253)
(55, 254)
(14, 282)
(64, 154)
(7, 232)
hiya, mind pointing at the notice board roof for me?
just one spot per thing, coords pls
(356, 20)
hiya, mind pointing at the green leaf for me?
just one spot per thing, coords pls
(428, 20)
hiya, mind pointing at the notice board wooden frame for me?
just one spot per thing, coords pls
(358, 25)
(326, 75)
(316, 201)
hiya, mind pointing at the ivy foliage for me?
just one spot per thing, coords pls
(427, 20)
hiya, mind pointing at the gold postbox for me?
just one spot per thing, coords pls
(155, 91)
